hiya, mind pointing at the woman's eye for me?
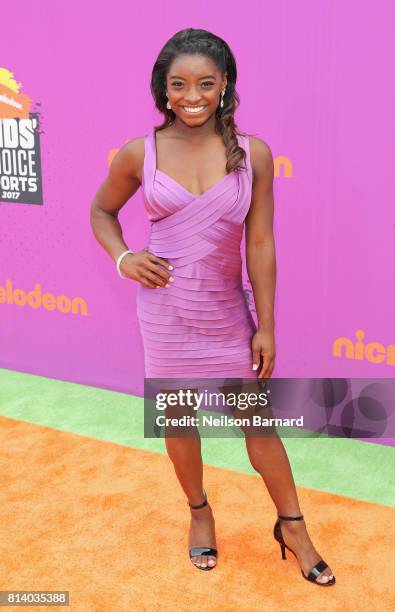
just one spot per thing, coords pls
(205, 83)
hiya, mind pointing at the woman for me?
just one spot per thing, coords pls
(198, 197)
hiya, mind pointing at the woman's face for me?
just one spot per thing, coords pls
(194, 82)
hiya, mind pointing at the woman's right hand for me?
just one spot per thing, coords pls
(146, 268)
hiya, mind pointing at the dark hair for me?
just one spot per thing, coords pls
(202, 42)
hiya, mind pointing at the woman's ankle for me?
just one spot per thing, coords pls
(198, 500)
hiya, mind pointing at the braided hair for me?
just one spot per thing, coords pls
(197, 41)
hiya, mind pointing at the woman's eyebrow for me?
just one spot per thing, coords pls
(209, 76)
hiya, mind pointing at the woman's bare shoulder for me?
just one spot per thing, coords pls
(259, 148)
(129, 158)
(261, 156)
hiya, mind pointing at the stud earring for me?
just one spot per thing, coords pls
(222, 97)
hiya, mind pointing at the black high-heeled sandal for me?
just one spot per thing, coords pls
(202, 550)
(317, 568)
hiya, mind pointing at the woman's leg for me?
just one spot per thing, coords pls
(269, 458)
(185, 453)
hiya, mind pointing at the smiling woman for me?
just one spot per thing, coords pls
(203, 182)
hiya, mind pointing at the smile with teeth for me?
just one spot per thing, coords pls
(193, 109)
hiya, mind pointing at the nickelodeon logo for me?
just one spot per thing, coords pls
(375, 352)
(37, 299)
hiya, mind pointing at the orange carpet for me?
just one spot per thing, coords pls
(109, 524)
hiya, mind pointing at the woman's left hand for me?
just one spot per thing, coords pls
(263, 343)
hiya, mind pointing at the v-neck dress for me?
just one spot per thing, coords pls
(201, 325)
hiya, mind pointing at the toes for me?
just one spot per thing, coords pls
(325, 576)
(200, 561)
(322, 578)
(204, 561)
(196, 561)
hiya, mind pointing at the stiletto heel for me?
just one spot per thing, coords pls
(317, 569)
(202, 550)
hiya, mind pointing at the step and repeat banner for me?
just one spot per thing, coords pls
(313, 81)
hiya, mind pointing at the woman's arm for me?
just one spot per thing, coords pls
(260, 253)
(121, 183)
(123, 180)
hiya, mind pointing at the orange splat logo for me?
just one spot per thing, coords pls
(20, 158)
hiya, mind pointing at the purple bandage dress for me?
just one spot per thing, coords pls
(201, 325)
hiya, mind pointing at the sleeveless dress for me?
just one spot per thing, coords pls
(201, 325)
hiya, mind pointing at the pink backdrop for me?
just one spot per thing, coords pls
(314, 82)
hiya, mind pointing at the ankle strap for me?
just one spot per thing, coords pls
(290, 518)
(200, 505)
